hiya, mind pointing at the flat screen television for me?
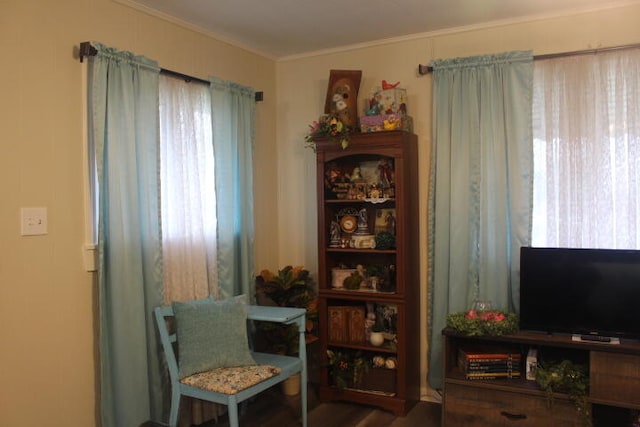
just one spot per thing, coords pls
(589, 292)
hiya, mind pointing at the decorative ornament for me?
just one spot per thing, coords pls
(328, 126)
(487, 322)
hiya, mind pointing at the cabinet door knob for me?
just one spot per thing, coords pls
(511, 416)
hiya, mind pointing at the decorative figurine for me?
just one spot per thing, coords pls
(391, 123)
(363, 226)
(334, 239)
(356, 175)
(370, 320)
(385, 173)
(390, 222)
(386, 85)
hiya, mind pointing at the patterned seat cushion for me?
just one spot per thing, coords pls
(231, 380)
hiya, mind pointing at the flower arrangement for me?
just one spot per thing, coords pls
(483, 322)
(328, 126)
(569, 378)
(346, 367)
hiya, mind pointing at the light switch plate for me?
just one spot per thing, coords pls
(33, 221)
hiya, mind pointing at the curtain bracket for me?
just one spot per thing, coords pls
(87, 50)
(424, 69)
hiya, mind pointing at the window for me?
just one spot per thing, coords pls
(188, 200)
(586, 127)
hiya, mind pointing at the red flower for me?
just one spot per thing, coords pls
(472, 314)
(492, 316)
(487, 316)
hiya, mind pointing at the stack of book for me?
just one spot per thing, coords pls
(477, 364)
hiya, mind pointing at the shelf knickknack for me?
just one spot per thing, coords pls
(340, 116)
(328, 126)
(342, 96)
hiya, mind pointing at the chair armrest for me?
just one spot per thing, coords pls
(286, 315)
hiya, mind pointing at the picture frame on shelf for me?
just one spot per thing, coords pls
(342, 96)
(385, 220)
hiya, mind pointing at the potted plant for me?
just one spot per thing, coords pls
(569, 378)
(290, 287)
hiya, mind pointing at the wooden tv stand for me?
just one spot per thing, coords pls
(614, 389)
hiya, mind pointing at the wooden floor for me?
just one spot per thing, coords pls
(273, 409)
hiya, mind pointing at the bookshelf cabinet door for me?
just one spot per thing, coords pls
(615, 378)
(479, 407)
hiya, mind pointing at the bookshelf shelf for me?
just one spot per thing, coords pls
(395, 291)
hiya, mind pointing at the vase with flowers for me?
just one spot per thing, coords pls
(328, 126)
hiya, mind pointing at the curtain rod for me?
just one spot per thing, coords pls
(426, 69)
(87, 50)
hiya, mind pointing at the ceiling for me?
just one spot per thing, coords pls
(286, 28)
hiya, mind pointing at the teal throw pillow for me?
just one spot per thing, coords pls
(212, 334)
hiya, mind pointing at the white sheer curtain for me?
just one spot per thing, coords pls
(188, 191)
(586, 127)
(188, 206)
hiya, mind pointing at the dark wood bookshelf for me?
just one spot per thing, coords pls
(400, 391)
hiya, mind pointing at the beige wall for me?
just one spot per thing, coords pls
(302, 84)
(47, 340)
(47, 343)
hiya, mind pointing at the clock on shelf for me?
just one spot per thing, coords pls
(348, 223)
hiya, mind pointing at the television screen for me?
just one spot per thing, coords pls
(580, 291)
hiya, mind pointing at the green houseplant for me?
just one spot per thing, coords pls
(289, 287)
(569, 378)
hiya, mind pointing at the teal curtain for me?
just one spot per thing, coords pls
(480, 195)
(123, 102)
(233, 114)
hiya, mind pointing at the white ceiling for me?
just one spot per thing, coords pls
(286, 28)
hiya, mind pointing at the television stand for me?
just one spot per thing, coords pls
(613, 394)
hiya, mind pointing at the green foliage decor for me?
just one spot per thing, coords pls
(290, 287)
(569, 378)
(328, 126)
(346, 367)
(489, 322)
(385, 240)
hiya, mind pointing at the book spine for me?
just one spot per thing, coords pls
(491, 376)
(490, 362)
(462, 361)
(491, 369)
(489, 356)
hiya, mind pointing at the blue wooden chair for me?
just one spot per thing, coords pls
(215, 386)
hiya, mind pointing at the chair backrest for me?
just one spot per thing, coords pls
(168, 337)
